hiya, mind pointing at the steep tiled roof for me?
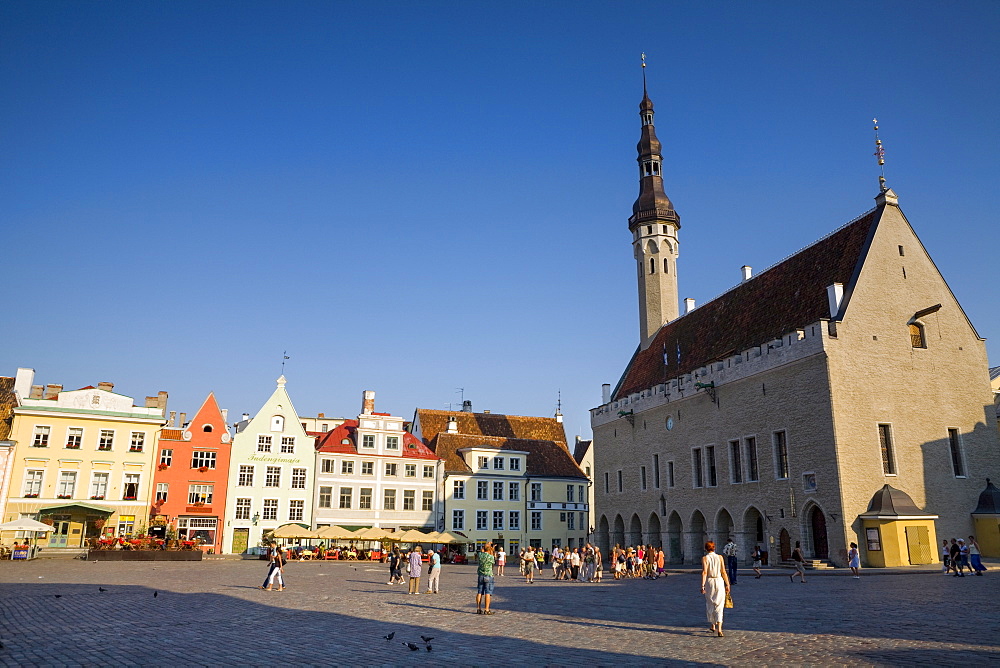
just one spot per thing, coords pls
(785, 297)
(580, 451)
(8, 401)
(491, 424)
(332, 442)
(172, 435)
(545, 458)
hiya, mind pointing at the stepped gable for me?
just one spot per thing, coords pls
(8, 402)
(545, 458)
(433, 422)
(781, 299)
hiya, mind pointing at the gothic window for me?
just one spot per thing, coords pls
(652, 265)
(666, 266)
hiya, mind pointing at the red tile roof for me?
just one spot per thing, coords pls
(433, 422)
(332, 442)
(545, 458)
(172, 435)
(779, 300)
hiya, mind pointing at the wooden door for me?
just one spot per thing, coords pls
(821, 549)
(918, 545)
(241, 538)
(786, 545)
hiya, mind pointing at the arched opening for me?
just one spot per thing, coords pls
(817, 538)
(666, 265)
(635, 531)
(785, 544)
(753, 532)
(618, 536)
(277, 423)
(653, 536)
(697, 536)
(724, 529)
(604, 535)
(652, 265)
(675, 529)
(207, 428)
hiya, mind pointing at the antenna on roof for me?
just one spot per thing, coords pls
(559, 401)
(284, 356)
(880, 154)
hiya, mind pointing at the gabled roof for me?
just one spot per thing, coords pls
(545, 458)
(784, 297)
(8, 401)
(581, 449)
(433, 422)
(332, 442)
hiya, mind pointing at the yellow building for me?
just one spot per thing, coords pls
(82, 461)
(509, 479)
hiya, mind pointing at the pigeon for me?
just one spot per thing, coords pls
(426, 639)
(58, 595)
(390, 636)
(155, 594)
(413, 646)
(101, 589)
(429, 648)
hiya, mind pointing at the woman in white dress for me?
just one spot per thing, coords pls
(855, 560)
(715, 586)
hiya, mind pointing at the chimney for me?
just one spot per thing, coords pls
(173, 419)
(467, 406)
(747, 272)
(246, 417)
(367, 402)
(37, 391)
(484, 412)
(151, 402)
(161, 401)
(106, 386)
(321, 415)
(22, 382)
(835, 295)
(51, 391)
(559, 417)
(452, 425)
(688, 305)
(183, 420)
(606, 393)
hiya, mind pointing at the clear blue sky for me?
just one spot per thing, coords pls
(418, 197)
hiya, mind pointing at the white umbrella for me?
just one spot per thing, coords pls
(25, 524)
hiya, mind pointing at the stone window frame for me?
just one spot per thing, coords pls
(956, 452)
(781, 457)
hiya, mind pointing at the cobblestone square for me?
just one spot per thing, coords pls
(212, 613)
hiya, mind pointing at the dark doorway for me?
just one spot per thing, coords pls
(821, 549)
(786, 545)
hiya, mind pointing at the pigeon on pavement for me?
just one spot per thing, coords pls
(101, 589)
(390, 636)
(413, 646)
(426, 639)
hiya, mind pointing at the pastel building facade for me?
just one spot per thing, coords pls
(270, 474)
(371, 472)
(83, 460)
(191, 477)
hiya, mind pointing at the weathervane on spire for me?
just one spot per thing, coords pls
(284, 356)
(880, 154)
(643, 56)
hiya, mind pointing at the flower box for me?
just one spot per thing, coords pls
(30, 496)
(73, 446)
(128, 498)
(99, 497)
(64, 496)
(163, 467)
(203, 469)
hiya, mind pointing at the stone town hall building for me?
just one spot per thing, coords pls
(839, 396)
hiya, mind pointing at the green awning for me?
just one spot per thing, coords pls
(76, 504)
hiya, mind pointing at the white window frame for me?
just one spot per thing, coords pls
(427, 500)
(482, 490)
(368, 440)
(106, 440)
(409, 470)
(100, 490)
(269, 510)
(246, 508)
(515, 464)
(409, 499)
(345, 492)
(458, 519)
(264, 442)
(388, 494)
(514, 520)
(288, 445)
(246, 475)
(391, 470)
(482, 520)
(514, 491)
(206, 458)
(458, 490)
(346, 467)
(30, 482)
(126, 483)
(392, 442)
(536, 515)
(272, 477)
(200, 493)
(362, 503)
(325, 494)
(498, 516)
(428, 471)
(70, 436)
(300, 477)
(137, 441)
(498, 490)
(41, 436)
(296, 510)
(370, 466)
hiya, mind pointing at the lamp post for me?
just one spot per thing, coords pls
(256, 518)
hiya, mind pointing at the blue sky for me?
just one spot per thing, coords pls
(419, 197)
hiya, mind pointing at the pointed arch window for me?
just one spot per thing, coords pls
(647, 118)
(666, 265)
(652, 265)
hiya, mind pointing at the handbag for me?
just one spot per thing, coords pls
(729, 600)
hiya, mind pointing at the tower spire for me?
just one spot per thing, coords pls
(654, 224)
(880, 154)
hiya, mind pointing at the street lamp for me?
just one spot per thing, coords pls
(256, 518)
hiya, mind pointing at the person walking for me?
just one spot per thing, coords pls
(275, 569)
(854, 560)
(757, 561)
(730, 551)
(598, 564)
(975, 556)
(955, 554)
(484, 580)
(434, 573)
(945, 557)
(501, 561)
(395, 569)
(800, 563)
(714, 586)
(415, 568)
(529, 565)
(963, 555)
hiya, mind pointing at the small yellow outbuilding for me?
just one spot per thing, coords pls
(897, 533)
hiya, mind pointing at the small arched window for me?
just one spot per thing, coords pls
(207, 428)
(917, 339)
(666, 266)
(277, 423)
(652, 265)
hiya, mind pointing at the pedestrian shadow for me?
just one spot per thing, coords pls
(693, 631)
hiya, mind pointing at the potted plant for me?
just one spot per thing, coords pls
(64, 496)
(98, 497)
(73, 446)
(31, 496)
(163, 467)
(203, 469)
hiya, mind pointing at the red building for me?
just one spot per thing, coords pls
(192, 475)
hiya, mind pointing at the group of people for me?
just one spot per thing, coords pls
(414, 564)
(961, 555)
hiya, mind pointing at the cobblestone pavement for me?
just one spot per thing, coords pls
(212, 613)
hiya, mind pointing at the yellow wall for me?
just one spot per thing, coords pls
(893, 540)
(988, 535)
